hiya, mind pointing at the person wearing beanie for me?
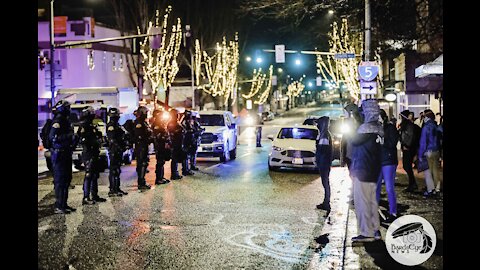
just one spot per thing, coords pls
(365, 169)
(430, 149)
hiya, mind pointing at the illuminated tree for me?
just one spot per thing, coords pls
(160, 62)
(335, 71)
(217, 74)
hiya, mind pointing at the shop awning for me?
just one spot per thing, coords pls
(433, 68)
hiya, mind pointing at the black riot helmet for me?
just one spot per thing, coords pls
(188, 115)
(87, 114)
(114, 114)
(62, 107)
(142, 112)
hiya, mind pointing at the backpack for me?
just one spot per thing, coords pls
(47, 144)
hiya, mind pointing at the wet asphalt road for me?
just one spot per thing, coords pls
(235, 215)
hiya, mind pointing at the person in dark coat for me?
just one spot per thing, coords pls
(63, 141)
(189, 142)
(409, 139)
(117, 144)
(91, 140)
(142, 137)
(389, 165)
(324, 158)
(365, 168)
(177, 136)
(162, 144)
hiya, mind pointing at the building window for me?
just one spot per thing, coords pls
(90, 60)
(114, 64)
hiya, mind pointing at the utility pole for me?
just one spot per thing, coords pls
(52, 57)
(367, 37)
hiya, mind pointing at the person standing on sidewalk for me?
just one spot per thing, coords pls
(324, 159)
(389, 165)
(430, 149)
(409, 137)
(365, 168)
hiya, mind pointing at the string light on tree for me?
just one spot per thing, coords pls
(159, 64)
(264, 96)
(344, 70)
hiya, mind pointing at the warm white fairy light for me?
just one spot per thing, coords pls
(160, 65)
(341, 70)
(264, 96)
(220, 69)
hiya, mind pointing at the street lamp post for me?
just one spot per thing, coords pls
(52, 57)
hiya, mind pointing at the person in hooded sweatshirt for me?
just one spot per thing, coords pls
(324, 159)
(365, 169)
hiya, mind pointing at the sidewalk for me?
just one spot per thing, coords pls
(334, 248)
(374, 255)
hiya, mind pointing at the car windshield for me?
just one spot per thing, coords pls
(298, 133)
(211, 120)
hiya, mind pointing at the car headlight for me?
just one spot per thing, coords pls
(219, 137)
(345, 128)
(276, 148)
(249, 120)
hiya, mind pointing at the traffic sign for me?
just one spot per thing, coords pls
(319, 81)
(368, 70)
(280, 53)
(368, 88)
(344, 55)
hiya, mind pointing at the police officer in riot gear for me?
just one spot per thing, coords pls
(142, 137)
(91, 139)
(198, 130)
(162, 144)
(117, 144)
(63, 141)
(177, 136)
(188, 142)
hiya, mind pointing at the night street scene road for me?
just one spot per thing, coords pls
(252, 134)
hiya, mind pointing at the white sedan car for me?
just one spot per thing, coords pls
(293, 147)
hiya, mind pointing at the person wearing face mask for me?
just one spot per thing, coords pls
(389, 165)
(324, 159)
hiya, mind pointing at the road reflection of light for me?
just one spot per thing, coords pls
(140, 225)
(168, 215)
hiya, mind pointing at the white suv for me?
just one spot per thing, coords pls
(220, 136)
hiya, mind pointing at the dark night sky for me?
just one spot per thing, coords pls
(254, 36)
